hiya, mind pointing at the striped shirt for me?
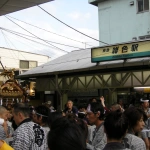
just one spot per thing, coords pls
(2, 133)
(96, 138)
(29, 136)
(133, 142)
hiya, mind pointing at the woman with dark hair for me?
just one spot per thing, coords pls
(136, 118)
(66, 134)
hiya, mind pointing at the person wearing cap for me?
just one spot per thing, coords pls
(96, 137)
(146, 131)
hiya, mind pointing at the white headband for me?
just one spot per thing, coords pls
(34, 112)
(144, 100)
(89, 108)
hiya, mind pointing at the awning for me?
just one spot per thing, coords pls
(9, 6)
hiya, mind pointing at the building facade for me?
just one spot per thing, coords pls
(123, 20)
(21, 61)
(75, 76)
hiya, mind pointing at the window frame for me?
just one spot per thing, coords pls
(143, 7)
(29, 65)
(24, 61)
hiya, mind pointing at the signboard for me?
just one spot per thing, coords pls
(121, 51)
(146, 90)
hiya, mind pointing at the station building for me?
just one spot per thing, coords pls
(116, 70)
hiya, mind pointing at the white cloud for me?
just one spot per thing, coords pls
(38, 18)
(75, 15)
(79, 15)
(28, 45)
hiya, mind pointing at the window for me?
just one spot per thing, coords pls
(143, 5)
(24, 64)
(27, 64)
(32, 64)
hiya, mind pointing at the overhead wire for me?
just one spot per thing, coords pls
(37, 36)
(40, 39)
(4, 4)
(12, 50)
(31, 39)
(71, 27)
(27, 38)
(8, 44)
(48, 31)
(31, 45)
(20, 53)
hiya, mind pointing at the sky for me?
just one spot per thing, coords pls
(78, 14)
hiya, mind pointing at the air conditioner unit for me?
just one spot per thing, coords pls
(141, 37)
(132, 3)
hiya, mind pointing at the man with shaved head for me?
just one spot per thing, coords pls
(3, 123)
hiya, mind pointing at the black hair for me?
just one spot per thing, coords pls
(134, 115)
(44, 112)
(81, 115)
(53, 116)
(97, 106)
(116, 125)
(23, 108)
(80, 122)
(82, 106)
(66, 134)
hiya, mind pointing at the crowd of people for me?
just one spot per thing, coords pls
(91, 127)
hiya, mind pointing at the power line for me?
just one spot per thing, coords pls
(71, 27)
(42, 40)
(4, 4)
(26, 38)
(12, 50)
(16, 48)
(49, 31)
(35, 35)
(8, 44)
(30, 39)
(29, 45)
